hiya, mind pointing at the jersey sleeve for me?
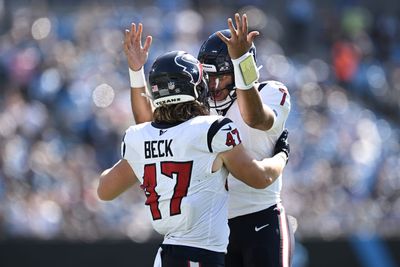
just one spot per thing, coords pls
(127, 150)
(275, 95)
(223, 135)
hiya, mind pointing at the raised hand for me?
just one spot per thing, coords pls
(136, 53)
(241, 40)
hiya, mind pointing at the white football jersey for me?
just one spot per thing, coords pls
(260, 144)
(187, 203)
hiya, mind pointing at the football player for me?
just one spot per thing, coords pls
(260, 233)
(182, 158)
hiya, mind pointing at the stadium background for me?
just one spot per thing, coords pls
(64, 105)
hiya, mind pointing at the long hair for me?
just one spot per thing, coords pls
(179, 112)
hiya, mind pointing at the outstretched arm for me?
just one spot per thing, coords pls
(257, 174)
(137, 56)
(254, 173)
(116, 180)
(254, 113)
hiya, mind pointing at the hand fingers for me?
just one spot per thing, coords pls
(223, 38)
(133, 32)
(252, 35)
(245, 24)
(147, 43)
(126, 38)
(139, 34)
(238, 23)
(284, 134)
(133, 27)
(232, 28)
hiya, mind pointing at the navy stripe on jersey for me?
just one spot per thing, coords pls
(165, 125)
(214, 128)
(262, 85)
(123, 146)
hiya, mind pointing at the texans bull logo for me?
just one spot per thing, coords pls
(191, 66)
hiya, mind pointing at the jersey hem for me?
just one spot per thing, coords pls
(251, 210)
(180, 243)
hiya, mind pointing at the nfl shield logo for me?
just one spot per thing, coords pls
(171, 85)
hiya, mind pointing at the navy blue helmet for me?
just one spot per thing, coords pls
(216, 61)
(177, 77)
(214, 54)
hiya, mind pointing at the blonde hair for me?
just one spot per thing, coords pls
(179, 112)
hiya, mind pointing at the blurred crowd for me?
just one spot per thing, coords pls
(64, 106)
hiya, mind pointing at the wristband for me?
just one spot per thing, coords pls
(137, 78)
(246, 71)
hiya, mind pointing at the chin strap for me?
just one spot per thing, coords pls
(224, 109)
